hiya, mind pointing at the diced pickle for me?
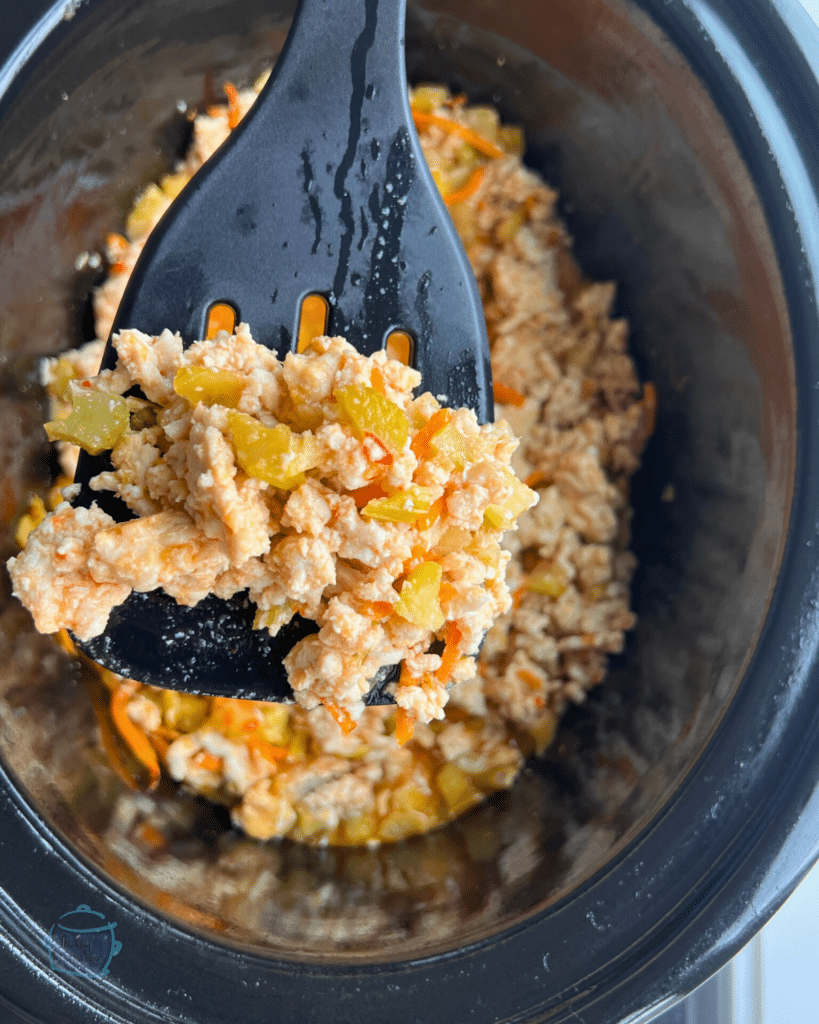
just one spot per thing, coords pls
(96, 422)
(402, 507)
(419, 602)
(209, 386)
(273, 454)
(368, 412)
(501, 517)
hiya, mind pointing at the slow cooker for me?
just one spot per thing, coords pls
(677, 808)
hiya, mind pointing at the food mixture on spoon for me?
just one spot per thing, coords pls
(565, 382)
(317, 484)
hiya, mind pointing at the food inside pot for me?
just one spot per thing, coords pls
(565, 381)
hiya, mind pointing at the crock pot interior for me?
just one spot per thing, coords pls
(658, 200)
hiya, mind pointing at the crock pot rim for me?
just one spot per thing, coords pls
(744, 880)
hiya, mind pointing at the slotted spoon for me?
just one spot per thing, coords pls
(322, 188)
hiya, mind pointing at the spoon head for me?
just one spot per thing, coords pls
(322, 188)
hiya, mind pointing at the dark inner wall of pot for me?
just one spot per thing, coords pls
(657, 200)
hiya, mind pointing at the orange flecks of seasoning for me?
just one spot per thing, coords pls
(506, 395)
(455, 128)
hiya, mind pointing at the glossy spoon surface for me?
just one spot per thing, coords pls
(322, 188)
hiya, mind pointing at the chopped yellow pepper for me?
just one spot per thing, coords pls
(501, 517)
(96, 422)
(419, 602)
(368, 412)
(549, 582)
(209, 386)
(272, 619)
(402, 507)
(273, 454)
(149, 207)
(450, 443)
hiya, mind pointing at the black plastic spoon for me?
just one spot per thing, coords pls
(322, 188)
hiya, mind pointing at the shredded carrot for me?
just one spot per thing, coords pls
(404, 678)
(506, 395)
(167, 734)
(160, 744)
(234, 110)
(455, 128)
(536, 479)
(447, 592)
(267, 750)
(207, 761)
(119, 267)
(131, 733)
(113, 240)
(151, 837)
(420, 444)
(384, 456)
(532, 681)
(65, 641)
(426, 520)
(377, 609)
(110, 745)
(368, 493)
(517, 595)
(343, 718)
(404, 726)
(469, 188)
(377, 381)
(650, 407)
(451, 655)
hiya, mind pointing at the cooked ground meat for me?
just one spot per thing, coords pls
(566, 384)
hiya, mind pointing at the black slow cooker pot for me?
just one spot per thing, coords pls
(676, 809)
